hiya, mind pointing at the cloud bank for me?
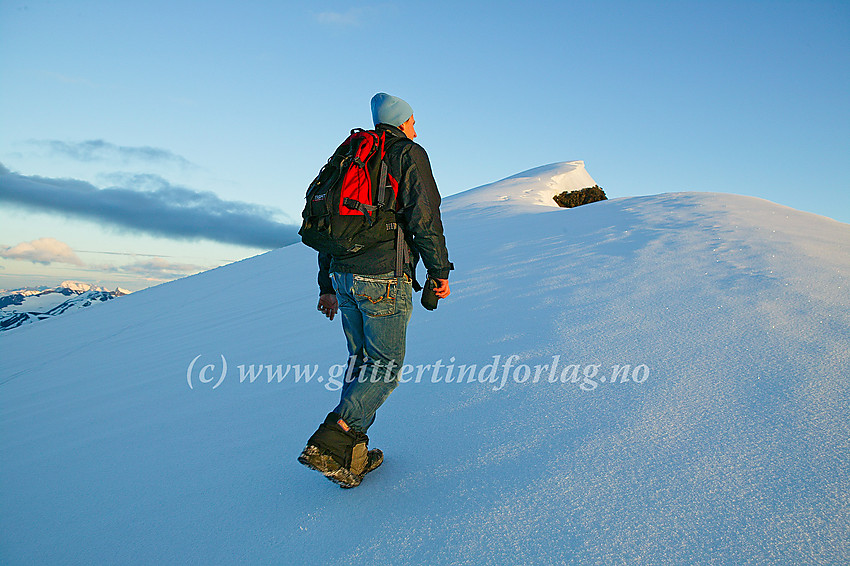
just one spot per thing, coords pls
(100, 150)
(47, 251)
(43, 250)
(154, 269)
(163, 210)
(351, 17)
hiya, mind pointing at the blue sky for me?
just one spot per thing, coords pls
(168, 137)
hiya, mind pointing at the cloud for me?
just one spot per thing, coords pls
(163, 209)
(66, 79)
(42, 250)
(100, 150)
(155, 269)
(351, 17)
(161, 266)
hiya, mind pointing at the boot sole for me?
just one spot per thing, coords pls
(328, 467)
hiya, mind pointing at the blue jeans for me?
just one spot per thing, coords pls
(375, 311)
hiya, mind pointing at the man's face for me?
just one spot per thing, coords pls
(407, 128)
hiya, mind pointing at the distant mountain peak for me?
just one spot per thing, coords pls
(80, 287)
(22, 306)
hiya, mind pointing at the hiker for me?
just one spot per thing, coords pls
(372, 288)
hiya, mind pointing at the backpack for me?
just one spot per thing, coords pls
(348, 207)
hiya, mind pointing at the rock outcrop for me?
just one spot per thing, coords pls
(570, 199)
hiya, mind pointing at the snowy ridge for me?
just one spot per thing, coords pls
(23, 306)
(732, 449)
(529, 191)
(78, 287)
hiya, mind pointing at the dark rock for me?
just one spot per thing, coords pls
(570, 199)
(15, 299)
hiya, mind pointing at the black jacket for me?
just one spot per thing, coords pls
(418, 205)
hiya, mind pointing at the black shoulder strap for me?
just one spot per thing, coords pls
(382, 178)
(400, 244)
(382, 184)
(401, 252)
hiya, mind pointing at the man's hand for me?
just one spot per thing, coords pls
(442, 290)
(328, 305)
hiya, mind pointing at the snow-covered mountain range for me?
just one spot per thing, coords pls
(23, 306)
(646, 380)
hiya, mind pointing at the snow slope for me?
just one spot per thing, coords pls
(524, 192)
(733, 450)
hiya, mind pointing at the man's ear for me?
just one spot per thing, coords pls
(407, 126)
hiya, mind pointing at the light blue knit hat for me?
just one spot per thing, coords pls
(388, 109)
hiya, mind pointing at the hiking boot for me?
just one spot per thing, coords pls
(340, 453)
(313, 458)
(374, 458)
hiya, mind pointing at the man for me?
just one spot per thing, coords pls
(376, 304)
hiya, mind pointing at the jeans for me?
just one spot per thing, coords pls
(375, 311)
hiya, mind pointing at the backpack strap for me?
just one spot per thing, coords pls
(365, 209)
(400, 243)
(402, 251)
(399, 252)
(382, 196)
(382, 179)
(382, 183)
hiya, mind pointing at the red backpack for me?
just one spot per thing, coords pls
(351, 202)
